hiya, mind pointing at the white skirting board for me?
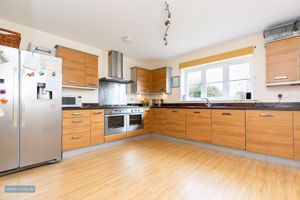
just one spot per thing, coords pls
(248, 154)
(273, 159)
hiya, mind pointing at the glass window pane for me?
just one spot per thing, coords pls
(241, 71)
(194, 77)
(214, 90)
(194, 91)
(238, 89)
(214, 75)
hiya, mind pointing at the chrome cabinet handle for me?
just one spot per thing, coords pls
(76, 122)
(226, 114)
(72, 81)
(76, 114)
(280, 77)
(157, 110)
(266, 115)
(75, 138)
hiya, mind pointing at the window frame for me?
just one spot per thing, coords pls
(226, 82)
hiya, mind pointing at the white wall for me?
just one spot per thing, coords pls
(260, 91)
(50, 40)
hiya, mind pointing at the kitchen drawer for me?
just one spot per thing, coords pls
(76, 113)
(228, 128)
(198, 125)
(175, 119)
(270, 132)
(76, 140)
(97, 116)
(75, 125)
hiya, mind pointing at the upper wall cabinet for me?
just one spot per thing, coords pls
(142, 80)
(282, 59)
(151, 81)
(79, 69)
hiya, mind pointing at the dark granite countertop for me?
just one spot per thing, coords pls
(293, 106)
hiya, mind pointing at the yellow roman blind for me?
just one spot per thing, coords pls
(218, 57)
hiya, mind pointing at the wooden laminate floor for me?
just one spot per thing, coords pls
(154, 168)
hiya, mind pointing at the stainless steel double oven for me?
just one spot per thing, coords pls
(120, 120)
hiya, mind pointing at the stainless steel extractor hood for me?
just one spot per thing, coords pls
(115, 68)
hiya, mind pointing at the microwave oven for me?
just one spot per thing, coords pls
(72, 101)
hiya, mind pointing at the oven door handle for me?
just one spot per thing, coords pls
(115, 115)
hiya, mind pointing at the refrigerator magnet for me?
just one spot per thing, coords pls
(2, 91)
(41, 73)
(3, 101)
(30, 74)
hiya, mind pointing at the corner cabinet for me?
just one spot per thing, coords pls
(270, 132)
(282, 62)
(151, 81)
(79, 69)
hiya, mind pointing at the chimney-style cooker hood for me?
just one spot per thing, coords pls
(115, 68)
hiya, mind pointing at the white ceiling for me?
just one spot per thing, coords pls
(195, 23)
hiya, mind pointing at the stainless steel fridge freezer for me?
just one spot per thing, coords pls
(30, 124)
(9, 108)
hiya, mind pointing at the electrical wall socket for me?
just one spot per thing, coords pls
(282, 95)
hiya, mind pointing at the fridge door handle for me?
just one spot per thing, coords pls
(23, 102)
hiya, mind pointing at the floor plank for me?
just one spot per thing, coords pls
(156, 168)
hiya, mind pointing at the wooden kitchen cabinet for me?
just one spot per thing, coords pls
(228, 128)
(270, 132)
(151, 81)
(91, 71)
(159, 80)
(97, 126)
(79, 69)
(76, 129)
(147, 120)
(142, 80)
(198, 125)
(282, 59)
(175, 120)
(73, 66)
(158, 121)
(297, 135)
(76, 140)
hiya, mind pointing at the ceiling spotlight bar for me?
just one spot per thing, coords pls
(167, 22)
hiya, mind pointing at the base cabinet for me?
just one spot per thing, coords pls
(270, 132)
(175, 122)
(158, 121)
(297, 135)
(97, 127)
(228, 128)
(198, 125)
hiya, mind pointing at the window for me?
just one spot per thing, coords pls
(225, 80)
